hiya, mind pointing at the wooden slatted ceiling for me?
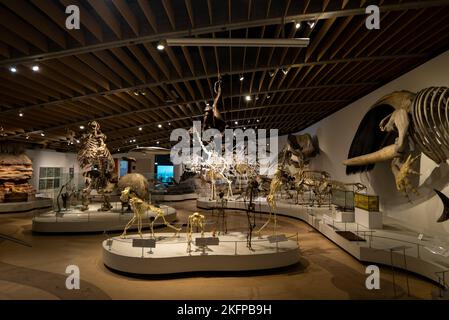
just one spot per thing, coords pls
(94, 73)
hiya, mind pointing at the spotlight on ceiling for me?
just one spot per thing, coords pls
(268, 97)
(160, 46)
(298, 25)
(27, 137)
(13, 69)
(157, 142)
(140, 128)
(311, 24)
(35, 68)
(258, 120)
(159, 125)
(20, 114)
(82, 127)
(236, 122)
(42, 134)
(248, 98)
(241, 77)
(77, 141)
(169, 123)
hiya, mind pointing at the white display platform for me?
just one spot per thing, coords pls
(368, 219)
(174, 197)
(92, 220)
(424, 257)
(170, 254)
(27, 206)
(344, 216)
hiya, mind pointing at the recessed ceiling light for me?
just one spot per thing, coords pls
(77, 141)
(160, 46)
(248, 98)
(236, 122)
(159, 125)
(20, 114)
(169, 123)
(244, 128)
(258, 120)
(35, 68)
(157, 142)
(13, 69)
(140, 128)
(82, 127)
(298, 25)
(42, 134)
(134, 140)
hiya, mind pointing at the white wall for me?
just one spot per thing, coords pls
(50, 158)
(335, 135)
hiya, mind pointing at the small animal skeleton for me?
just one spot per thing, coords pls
(195, 220)
(97, 165)
(139, 208)
(420, 119)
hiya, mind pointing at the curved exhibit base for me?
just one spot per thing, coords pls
(393, 245)
(174, 197)
(93, 220)
(169, 254)
(31, 206)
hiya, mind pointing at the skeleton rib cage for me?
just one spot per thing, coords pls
(430, 118)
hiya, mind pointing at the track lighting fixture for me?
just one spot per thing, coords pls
(284, 70)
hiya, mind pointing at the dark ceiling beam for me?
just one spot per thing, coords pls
(200, 115)
(220, 28)
(208, 76)
(184, 103)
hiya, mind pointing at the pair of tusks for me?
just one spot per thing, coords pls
(384, 154)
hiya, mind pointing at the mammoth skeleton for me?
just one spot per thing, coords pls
(420, 120)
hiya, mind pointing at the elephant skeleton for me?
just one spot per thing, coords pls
(420, 119)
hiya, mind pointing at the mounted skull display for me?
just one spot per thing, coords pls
(15, 171)
(97, 165)
(396, 121)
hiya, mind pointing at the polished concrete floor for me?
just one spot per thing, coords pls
(324, 272)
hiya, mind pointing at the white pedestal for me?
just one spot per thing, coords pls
(368, 219)
(343, 216)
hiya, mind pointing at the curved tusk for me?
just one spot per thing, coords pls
(383, 154)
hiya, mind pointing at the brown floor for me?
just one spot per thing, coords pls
(325, 271)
